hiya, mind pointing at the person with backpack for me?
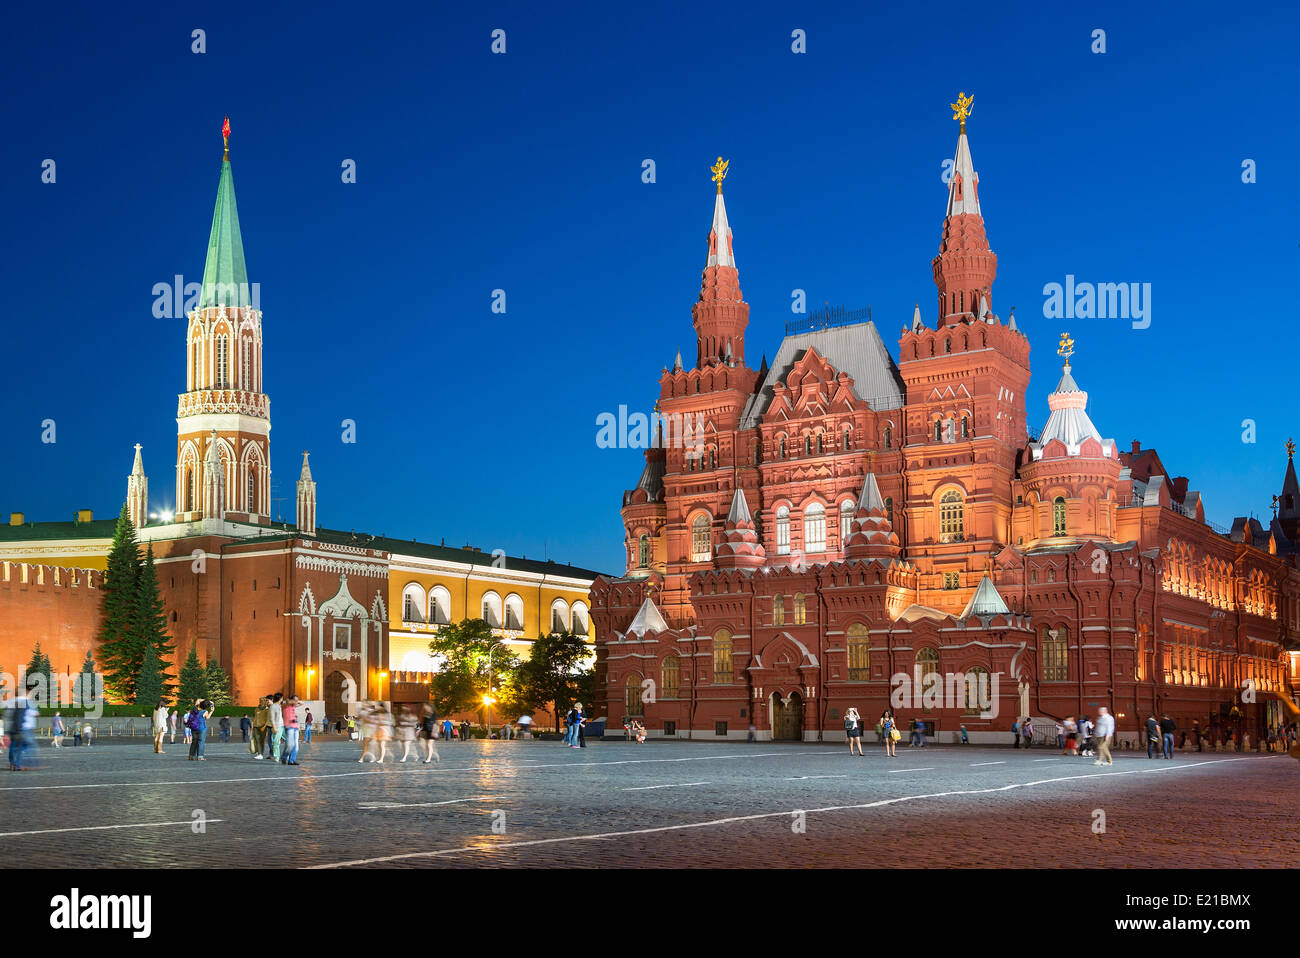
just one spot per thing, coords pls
(187, 733)
(196, 722)
(853, 729)
(575, 725)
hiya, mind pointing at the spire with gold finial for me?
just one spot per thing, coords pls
(225, 139)
(719, 171)
(720, 235)
(1066, 349)
(961, 109)
(1290, 449)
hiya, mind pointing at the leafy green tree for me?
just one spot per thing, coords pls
(471, 655)
(552, 674)
(119, 649)
(149, 682)
(193, 679)
(150, 628)
(217, 683)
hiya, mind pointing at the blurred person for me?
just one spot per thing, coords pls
(1105, 729)
(171, 724)
(429, 732)
(224, 725)
(20, 726)
(405, 725)
(56, 730)
(159, 726)
(289, 714)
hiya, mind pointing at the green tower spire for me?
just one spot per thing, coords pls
(225, 278)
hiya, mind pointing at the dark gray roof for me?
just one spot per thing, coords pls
(427, 550)
(856, 349)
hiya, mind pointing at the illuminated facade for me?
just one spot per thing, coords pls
(844, 519)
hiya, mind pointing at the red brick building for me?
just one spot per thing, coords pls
(841, 525)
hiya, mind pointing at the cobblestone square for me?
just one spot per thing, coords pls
(539, 804)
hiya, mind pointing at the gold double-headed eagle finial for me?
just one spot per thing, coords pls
(1066, 348)
(719, 171)
(961, 109)
(1290, 448)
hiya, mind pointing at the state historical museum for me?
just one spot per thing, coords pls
(840, 519)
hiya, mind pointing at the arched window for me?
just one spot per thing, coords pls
(952, 523)
(559, 616)
(807, 445)
(889, 509)
(846, 521)
(859, 646)
(632, 698)
(413, 603)
(514, 612)
(1058, 516)
(927, 660)
(189, 490)
(712, 458)
(977, 692)
(670, 678)
(938, 430)
(252, 488)
(778, 610)
(223, 360)
(819, 444)
(196, 352)
(701, 541)
(1054, 653)
(492, 609)
(947, 345)
(800, 611)
(889, 437)
(848, 439)
(780, 447)
(722, 658)
(783, 531)
(643, 551)
(965, 427)
(814, 528)
(580, 624)
(246, 364)
(439, 606)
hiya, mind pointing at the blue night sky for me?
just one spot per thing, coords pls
(523, 172)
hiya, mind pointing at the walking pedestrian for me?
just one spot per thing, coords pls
(366, 714)
(1085, 736)
(1167, 729)
(1196, 734)
(224, 725)
(1060, 736)
(383, 729)
(275, 726)
(159, 727)
(920, 733)
(306, 727)
(56, 730)
(20, 726)
(1153, 736)
(889, 733)
(1071, 736)
(261, 718)
(965, 736)
(1015, 730)
(171, 723)
(429, 731)
(1027, 731)
(405, 723)
(88, 734)
(853, 729)
(446, 730)
(187, 733)
(1105, 729)
(464, 730)
(289, 714)
(245, 726)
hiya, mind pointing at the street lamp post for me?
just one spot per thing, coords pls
(487, 699)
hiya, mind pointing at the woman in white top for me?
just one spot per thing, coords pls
(159, 727)
(853, 729)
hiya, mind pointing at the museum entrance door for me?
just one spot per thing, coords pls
(787, 717)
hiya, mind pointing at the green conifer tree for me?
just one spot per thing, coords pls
(119, 651)
(194, 680)
(38, 675)
(84, 693)
(218, 683)
(149, 683)
(150, 625)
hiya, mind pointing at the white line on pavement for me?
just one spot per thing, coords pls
(978, 764)
(477, 770)
(800, 778)
(371, 806)
(99, 828)
(924, 768)
(1053, 759)
(646, 788)
(600, 836)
